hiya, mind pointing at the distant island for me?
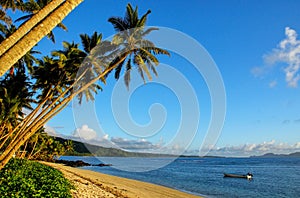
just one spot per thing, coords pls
(272, 155)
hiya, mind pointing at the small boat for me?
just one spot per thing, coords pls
(247, 176)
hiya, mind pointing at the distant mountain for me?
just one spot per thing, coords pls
(82, 149)
(272, 155)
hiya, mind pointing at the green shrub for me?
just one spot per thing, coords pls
(24, 178)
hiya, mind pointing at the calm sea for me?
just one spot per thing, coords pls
(273, 177)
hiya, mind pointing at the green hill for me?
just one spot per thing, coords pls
(81, 149)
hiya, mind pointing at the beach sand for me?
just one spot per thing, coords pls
(94, 184)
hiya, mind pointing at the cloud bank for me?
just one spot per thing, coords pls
(256, 149)
(50, 131)
(286, 52)
(85, 133)
(140, 144)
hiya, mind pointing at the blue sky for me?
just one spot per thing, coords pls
(242, 37)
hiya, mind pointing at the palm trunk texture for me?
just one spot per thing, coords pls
(17, 46)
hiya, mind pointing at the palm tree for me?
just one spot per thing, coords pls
(127, 46)
(141, 52)
(32, 31)
(15, 97)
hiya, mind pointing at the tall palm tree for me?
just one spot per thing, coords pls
(31, 32)
(141, 52)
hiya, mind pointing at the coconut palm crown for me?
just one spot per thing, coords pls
(141, 52)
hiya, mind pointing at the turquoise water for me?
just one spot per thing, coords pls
(273, 177)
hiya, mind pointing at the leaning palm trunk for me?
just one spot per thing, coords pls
(38, 117)
(28, 25)
(17, 47)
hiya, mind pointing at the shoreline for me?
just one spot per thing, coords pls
(94, 184)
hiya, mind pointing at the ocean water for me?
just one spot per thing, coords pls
(273, 177)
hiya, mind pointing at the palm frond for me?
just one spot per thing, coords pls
(142, 21)
(152, 67)
(12, 4)
(128, 14)
(156, 50)
(95, 40)
(24, 18)
(50, 35)
(118, 23)
(141, 64)
(118, 69)
(149, 30)
(4, 17)
(62, 26)
(145, 43)
(85, 41)
(59, 54)
(127, 73)
(31, 6)
(134, 18)
(149, 57)
(140, 70)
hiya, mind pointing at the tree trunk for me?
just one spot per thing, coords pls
(28, 25)
(22, 46)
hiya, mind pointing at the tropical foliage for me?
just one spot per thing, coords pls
(51, 82)
(24, 178)
(43, 147)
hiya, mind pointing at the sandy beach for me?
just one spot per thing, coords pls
(94, 184)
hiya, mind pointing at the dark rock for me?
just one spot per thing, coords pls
(101, 164)
(79, 163)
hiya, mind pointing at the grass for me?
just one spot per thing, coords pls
(24, 178)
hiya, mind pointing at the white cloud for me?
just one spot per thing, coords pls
(255, 149)
(288, 53)
(140, 144)
(105, 137)
(85, 133)
(50, 130)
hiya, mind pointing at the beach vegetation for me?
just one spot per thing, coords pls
(25, 178)
(42, 146)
